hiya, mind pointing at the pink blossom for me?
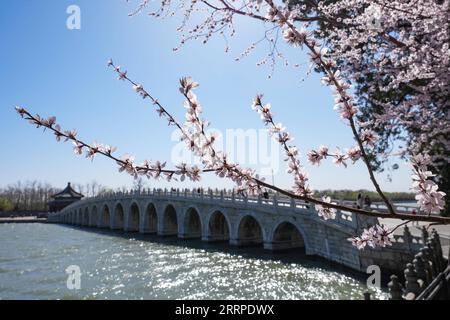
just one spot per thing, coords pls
(21, 111)
(323, 151)
(71, 135)
(354, 153)
(368, 137)
(346, 110)
(140, 89)
(93, 150)
(292, 38)
(78, 148)
(194, 173)
(431, 200)
(324, 211)
(158, 167)
(182, 170)
(256, 102)
(128, 166)
(284, 137)
(187, 84)
(278, 128)
(58, 133)
(109, 149)
(339, 158)
(376, 236)
(122, 75)
(314, 157)
(292, 152)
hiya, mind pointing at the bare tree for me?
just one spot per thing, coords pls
(139, 184)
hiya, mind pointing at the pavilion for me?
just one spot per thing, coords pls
(64, 198)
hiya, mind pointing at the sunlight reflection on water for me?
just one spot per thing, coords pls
(33, 259)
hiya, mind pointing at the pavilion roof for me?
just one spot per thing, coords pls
(68, 192)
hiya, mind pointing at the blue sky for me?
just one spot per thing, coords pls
(52, 70)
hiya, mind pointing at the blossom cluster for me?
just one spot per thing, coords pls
(324, 211)
(315, 157)
(404, 47)
(201, 144)
(428, 196)
(376, 236)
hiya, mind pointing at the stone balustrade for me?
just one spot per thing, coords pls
(427, 276)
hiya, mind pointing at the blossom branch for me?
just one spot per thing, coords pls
(315, 157)
(291, 152)
(344, 100)
(194, 134)
(246, 178)
(162, 112)
(126, 163)
(232, 171)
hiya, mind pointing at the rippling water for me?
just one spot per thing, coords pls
(34, 257)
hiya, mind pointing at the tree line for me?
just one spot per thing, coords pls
(34, 195)
(352, 195)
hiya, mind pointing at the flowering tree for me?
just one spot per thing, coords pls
(296, 29)
(397, 54)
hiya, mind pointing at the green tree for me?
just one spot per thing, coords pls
(5, 204)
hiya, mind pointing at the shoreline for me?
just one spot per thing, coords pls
(23, 220)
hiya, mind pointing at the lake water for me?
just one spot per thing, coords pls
(114, 265)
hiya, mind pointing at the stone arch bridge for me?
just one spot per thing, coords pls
(275, 224)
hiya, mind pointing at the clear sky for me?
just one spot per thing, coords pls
(52, 70)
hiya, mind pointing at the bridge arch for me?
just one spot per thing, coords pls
(250, 231)
(169, 221)
(85, 220)
(80, 217)
(105, 218)
(150, 219)
(134, 215)
(218, 227)
(118, 217)
(93, 218)
(286, 235)
(192, 224)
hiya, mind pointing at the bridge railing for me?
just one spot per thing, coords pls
(344, 219)
(228, 195)
(216, 194)
(282, 203)
(427, 277)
